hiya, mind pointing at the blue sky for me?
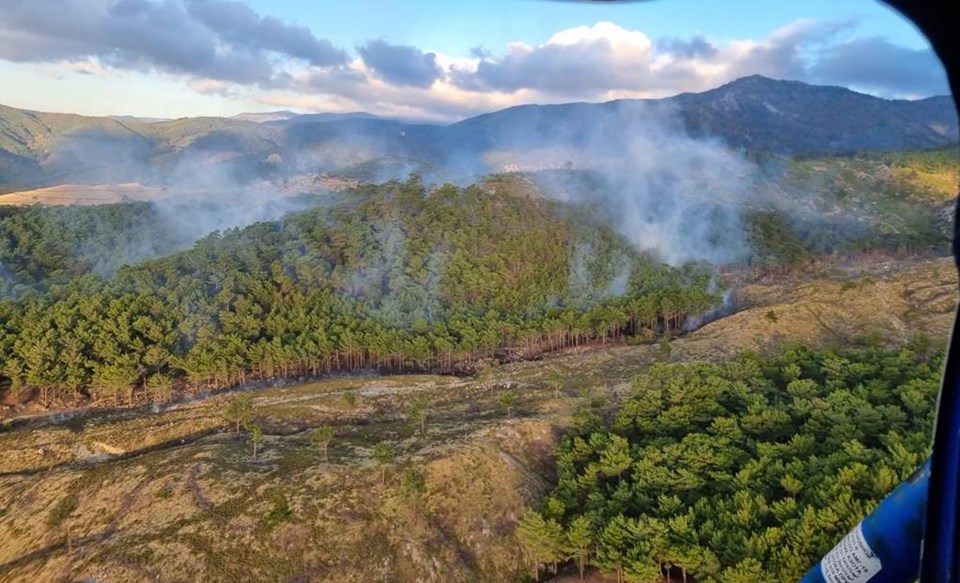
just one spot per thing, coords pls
(452, 27)
(437, 60)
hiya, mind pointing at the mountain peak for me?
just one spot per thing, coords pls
(753, 83)
(754, 79)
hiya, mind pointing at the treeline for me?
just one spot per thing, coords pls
(389, 277)
(739, 472)
(778, 240)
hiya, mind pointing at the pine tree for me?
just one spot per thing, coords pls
(554, 380)
(579, 542)
(383, 454)
(615, 457)
(239, 410)
(321, 438)
(417, 415)
(506, 400)
(542, 540)
(256, 436)
(614, 543)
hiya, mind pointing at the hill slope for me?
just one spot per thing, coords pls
(133, 495)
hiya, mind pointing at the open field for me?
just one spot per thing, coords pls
(85, 194)
(78, 194)
(174, 495)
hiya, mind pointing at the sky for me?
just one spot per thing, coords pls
(437, 60)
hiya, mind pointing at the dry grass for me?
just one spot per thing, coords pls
(205, 507)
(77, 194)
(84, 194)
(890, 304)
(938, 184)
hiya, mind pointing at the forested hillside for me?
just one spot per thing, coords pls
(898, 202)
(175, 493)
(393, 278)
(738, 472)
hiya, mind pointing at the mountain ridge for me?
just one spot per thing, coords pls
(752, 113)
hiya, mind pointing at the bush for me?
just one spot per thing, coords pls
(62, 510)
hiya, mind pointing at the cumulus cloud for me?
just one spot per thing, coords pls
(577, 61)
(217, 46)
(239, 24)
(356, 88)
(605, 61)
(212, 87)
(697, 46)
(213, 39)
(402, 65)
(782, 54)
(876, 65)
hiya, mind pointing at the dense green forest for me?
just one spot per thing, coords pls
(45, 247)
(391, 277)
(738, 472)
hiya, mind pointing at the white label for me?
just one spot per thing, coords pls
(851, 561)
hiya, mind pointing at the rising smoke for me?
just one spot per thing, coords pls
(203, 196)
(668, 193)
(189, 195)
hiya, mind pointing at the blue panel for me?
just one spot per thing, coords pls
(941, 556)
(885, 546)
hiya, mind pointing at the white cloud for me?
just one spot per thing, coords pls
(608, 61)
(224, 49)
(212, 87)
(627, 43)
(91, 67)
(605, 61)
(214, 39)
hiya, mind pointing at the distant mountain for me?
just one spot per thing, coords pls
(265, 116)
(136, 119)
(281, 118)
(314, 117)
(790, 117)
(754, 113)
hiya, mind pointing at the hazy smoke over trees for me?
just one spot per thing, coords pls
(667, 192)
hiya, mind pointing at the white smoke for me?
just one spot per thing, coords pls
(668, 193)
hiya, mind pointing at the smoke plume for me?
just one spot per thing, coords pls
(668, 193)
